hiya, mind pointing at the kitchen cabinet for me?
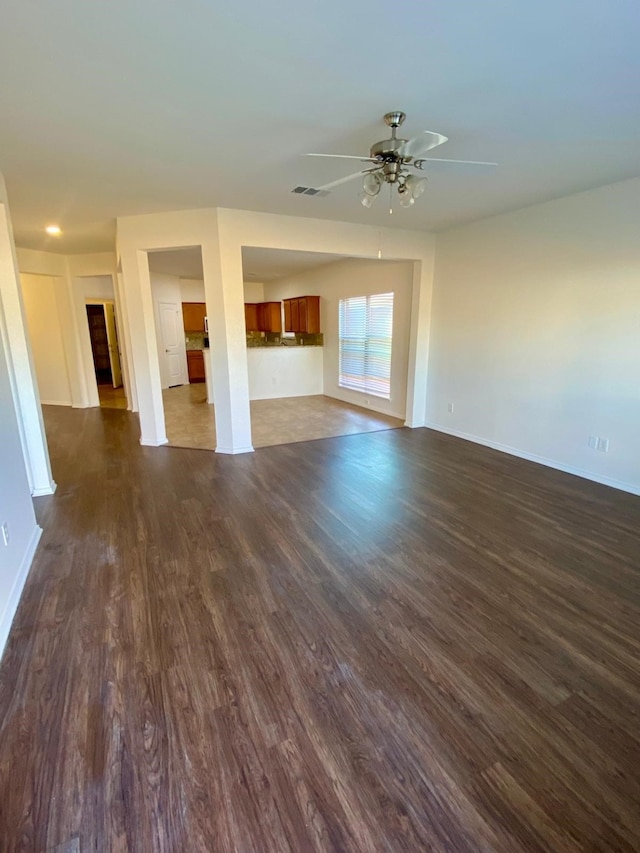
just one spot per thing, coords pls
(302, 314)
(295, 322)
(270, 316)
(195, 365)
(193, 314)
(263, 316)
(251, 316)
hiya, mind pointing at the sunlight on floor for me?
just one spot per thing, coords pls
(112, 398)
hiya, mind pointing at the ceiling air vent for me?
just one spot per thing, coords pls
(309, 191)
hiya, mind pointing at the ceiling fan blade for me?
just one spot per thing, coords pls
(421, 144)
(418, 160)
(344, 157)
(345, 180)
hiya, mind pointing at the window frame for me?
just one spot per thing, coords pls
(365, 356)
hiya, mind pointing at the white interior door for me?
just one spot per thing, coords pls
(112, 340)
(172, 342)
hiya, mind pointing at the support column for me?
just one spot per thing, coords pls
(224, 295)
(136, 283)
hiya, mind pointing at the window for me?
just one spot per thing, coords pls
(366, 324)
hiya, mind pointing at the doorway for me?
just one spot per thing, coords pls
(103, 334)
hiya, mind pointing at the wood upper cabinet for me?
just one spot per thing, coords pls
(263, 316)
(251, 316)
(302, 314)
(270, 316)
(193, 314)
(295, 316)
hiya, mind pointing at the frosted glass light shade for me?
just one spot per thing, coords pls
(416, 186)
(366, 200)
(371, 184)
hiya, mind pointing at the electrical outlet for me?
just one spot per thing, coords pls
(5, 533)
(603, 445)
(450, 407)
(593, 442)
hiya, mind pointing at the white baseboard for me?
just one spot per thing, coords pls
(55, 403)
(541, 460)
(45, 490)
(234, 450)
(18, 585)
(145, 442)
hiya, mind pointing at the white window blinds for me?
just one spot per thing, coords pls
(366, 324)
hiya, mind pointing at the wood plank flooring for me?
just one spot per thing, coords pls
(396, 641)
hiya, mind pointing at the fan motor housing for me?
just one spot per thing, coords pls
(387, 148)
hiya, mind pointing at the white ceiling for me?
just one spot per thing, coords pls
(270, 264)
(112, 109)
(257, 264)
(186, 263)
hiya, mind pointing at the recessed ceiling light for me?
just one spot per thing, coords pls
(54, 230)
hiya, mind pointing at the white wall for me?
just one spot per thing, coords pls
(167, 288)
(354, 277)
(284, 372)
(32, 262)
(96, 287)
(82, 277)
(22, 372)
(191, 290)
(16, 508)
(254, 291)
(42, 295)
(536, 333)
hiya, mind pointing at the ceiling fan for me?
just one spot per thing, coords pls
(391, 161)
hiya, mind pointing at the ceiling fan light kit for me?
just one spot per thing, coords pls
(391, 161)
(371, 183)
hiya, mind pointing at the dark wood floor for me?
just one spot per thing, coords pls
(389, 642)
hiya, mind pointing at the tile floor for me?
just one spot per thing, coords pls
(190, 421)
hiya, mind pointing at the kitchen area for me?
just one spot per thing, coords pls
(292, 323)
(288, 364)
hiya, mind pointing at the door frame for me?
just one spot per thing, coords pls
(80, 301)
(104, 303)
